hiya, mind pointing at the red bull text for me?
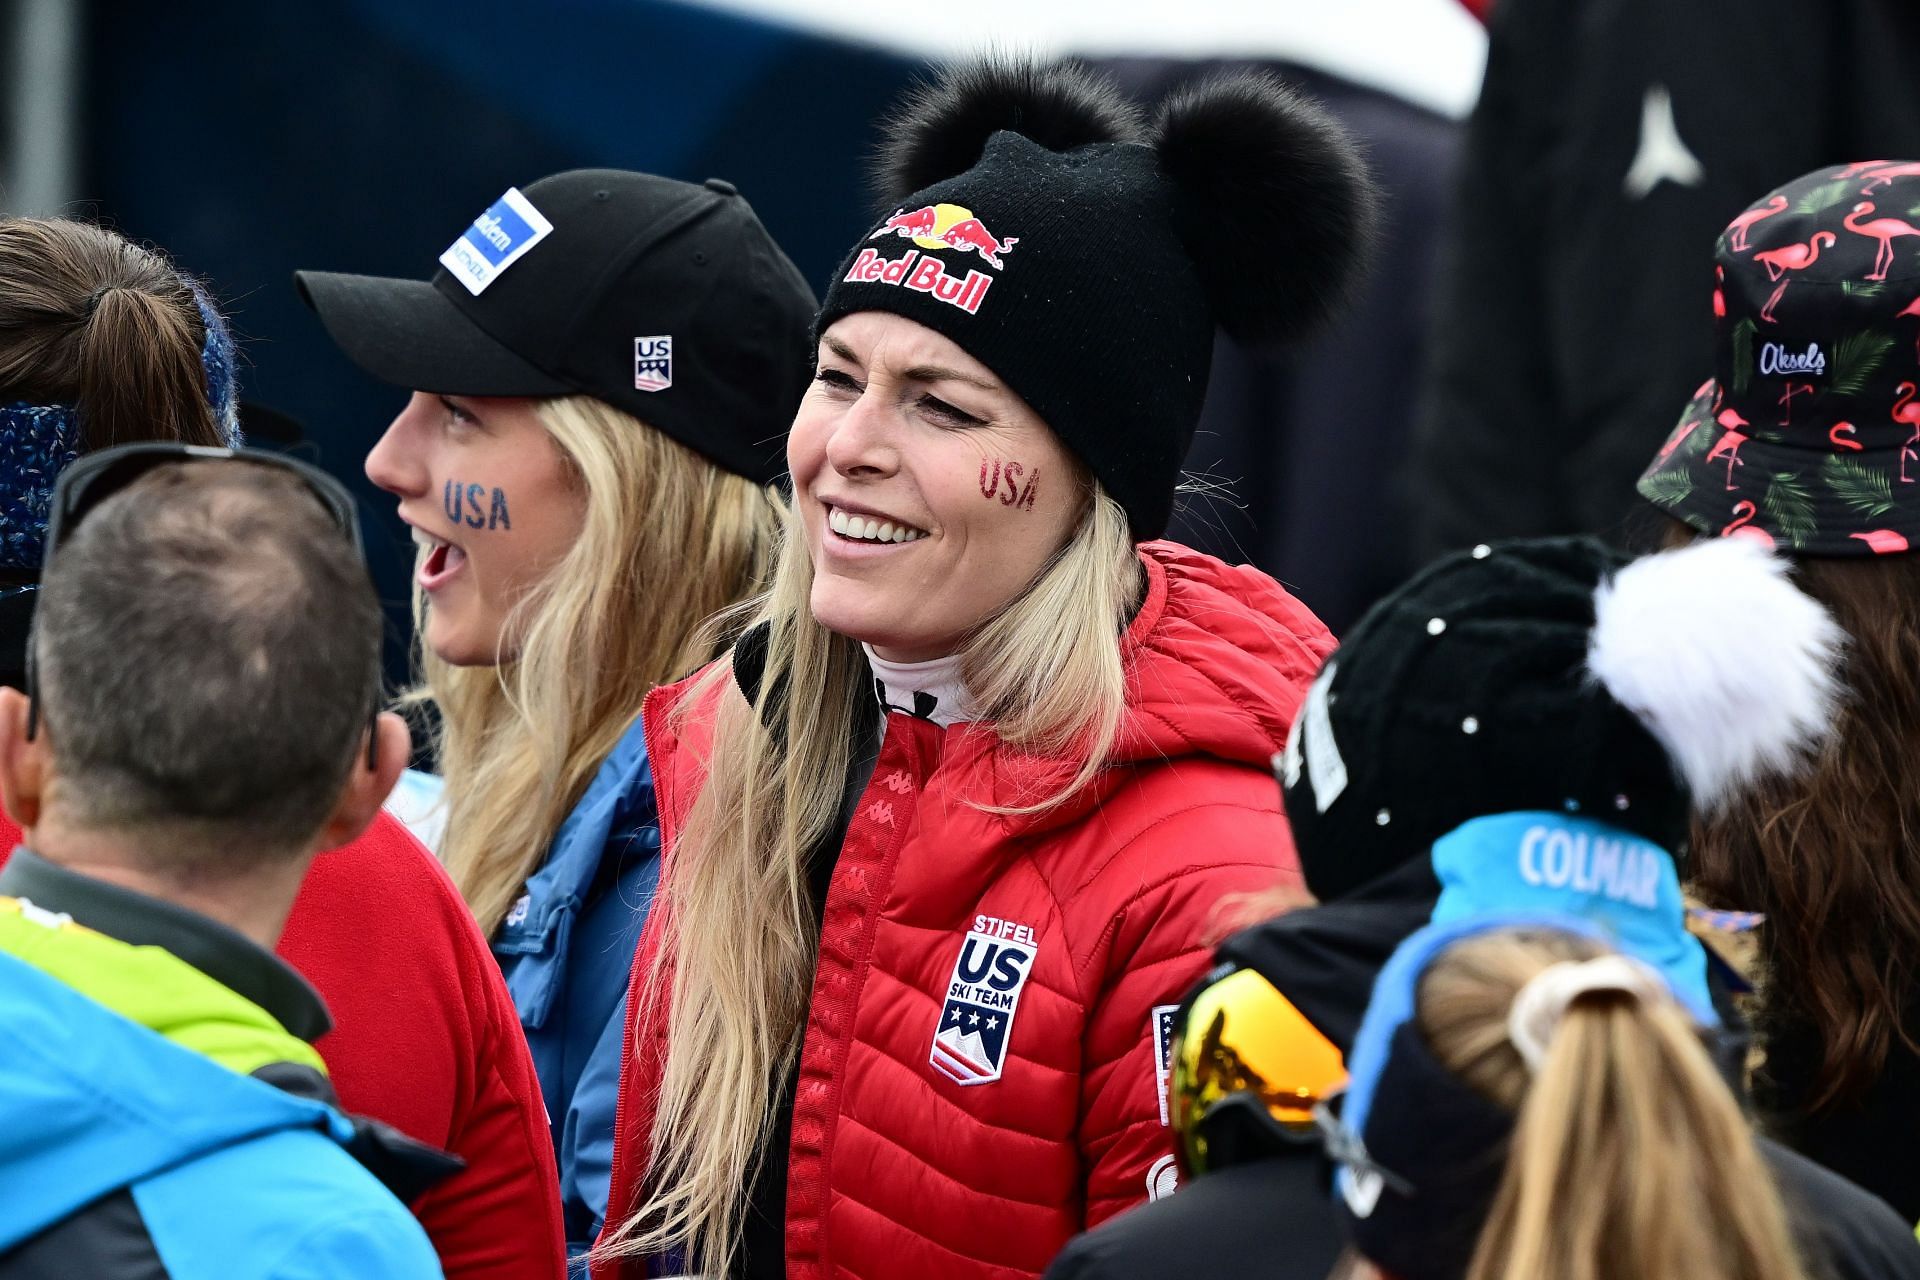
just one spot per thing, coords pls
(922, 273)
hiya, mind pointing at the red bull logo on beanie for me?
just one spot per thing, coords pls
(947, 226)
(983, 993)
(939, 228)
(497, 239)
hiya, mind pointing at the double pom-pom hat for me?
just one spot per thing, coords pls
(1086, 254)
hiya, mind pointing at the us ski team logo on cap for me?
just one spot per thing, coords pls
(970, 1044)
(496, 240)
(652, 363)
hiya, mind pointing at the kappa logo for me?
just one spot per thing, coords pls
(935, 228)
(497, 239)
(881, 812)
(983, 994)
(1162, 1020)
(652, 363)
(898, 782)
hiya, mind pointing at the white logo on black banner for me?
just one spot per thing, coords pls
(970, 1045)
(652, 363)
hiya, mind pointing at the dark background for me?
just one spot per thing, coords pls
(252, 139)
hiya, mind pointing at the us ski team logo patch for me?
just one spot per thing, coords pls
(652, 363)
(970, 1044)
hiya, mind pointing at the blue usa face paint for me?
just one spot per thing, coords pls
(476, 506)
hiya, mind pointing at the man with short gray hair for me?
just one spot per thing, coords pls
(199, 722)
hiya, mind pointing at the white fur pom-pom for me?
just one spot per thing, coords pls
(1727, 663)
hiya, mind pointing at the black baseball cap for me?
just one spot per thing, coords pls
(666, 299)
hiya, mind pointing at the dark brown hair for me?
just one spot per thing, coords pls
(1833, 856)
(92, 320)
(209, 650)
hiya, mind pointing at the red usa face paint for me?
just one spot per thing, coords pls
(1004, 480)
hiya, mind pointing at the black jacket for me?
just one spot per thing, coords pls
(1868, 1138)
(1275, 1217)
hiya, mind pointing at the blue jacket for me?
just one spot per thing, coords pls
(567, 949)
(124, 1155)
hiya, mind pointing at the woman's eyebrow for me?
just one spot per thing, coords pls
(940, 373)
(919, 372)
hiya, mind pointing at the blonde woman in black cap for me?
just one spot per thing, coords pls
(601, 375)
(947, 827)
(1807, 437)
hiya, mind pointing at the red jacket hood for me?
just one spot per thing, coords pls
(1217, 661)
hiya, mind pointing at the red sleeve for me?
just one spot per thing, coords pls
(1161, 946)
(425, 1038)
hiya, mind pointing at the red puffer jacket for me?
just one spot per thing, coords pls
(982, 1071)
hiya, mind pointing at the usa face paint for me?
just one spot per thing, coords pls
(1013, 484)
(475, 506)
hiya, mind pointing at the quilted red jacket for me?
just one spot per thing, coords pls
(425, 1037)
(983, 1067)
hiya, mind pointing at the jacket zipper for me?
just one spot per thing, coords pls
(622, 1192)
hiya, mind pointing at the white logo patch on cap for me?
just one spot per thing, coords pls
(652, 363)
(1325, 767)
(495, 241)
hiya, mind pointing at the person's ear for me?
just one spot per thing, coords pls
(25, 766)
(366, 788)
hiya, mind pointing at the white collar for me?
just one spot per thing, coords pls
(931, 690)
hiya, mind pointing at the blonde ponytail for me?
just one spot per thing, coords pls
(1630, 1158)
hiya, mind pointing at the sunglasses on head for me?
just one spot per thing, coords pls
(90, 480)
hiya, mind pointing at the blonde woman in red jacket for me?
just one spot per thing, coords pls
(947, 829)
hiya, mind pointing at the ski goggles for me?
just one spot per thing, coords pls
(95, 477)
(1247, 1074)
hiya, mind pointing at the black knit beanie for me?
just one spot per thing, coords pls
(1551, 676)
(1086, 257)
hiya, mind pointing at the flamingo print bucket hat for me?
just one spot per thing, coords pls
(1808, 434)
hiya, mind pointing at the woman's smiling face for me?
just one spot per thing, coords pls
(930, 493)
(493, 504)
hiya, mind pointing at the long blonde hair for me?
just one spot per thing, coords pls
(668, 540)
(1630, 1159)
(740, 935)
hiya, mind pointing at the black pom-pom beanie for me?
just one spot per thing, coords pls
(1086, 257)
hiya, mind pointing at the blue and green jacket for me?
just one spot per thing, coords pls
(162, 1114)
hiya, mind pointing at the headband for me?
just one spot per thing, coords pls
(38, 441)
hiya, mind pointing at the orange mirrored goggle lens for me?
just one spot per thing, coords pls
(1242, 1037)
